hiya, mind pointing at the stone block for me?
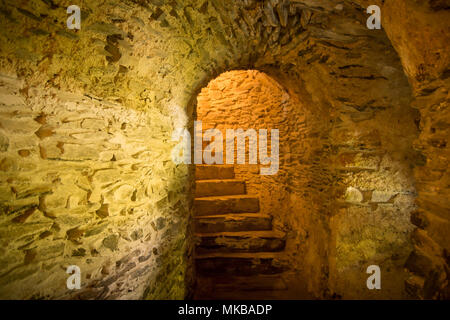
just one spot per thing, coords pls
(11, 99)
(106, 176)
(49, 149)
(4, 143)
(18, 125)
(382, 196)
(356, 160)
(56, 201)
(124, 193)
(414, 286)
(353, 195)
(421, 263)
(111, 242)
(77, 152)
(96, 124)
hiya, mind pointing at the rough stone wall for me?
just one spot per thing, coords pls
(80, 186)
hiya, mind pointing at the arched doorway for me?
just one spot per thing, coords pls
(247, 227)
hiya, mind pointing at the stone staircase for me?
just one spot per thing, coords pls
(238, 255)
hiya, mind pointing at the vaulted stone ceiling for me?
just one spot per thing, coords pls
(206, 38)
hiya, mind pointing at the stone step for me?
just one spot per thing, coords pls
(244, 241)
(233, 223)
(214, 287)
(243, 264)
(226, 204)
(256, 283)
(214, 172)
(208, 188)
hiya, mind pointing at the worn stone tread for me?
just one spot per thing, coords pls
(253, 283)
(244, 241)
(214, 172)
(240, 255)
(242, 263)
(226, 204)
(233, 222)
(208, 188)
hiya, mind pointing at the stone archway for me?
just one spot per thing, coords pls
(249, 249)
